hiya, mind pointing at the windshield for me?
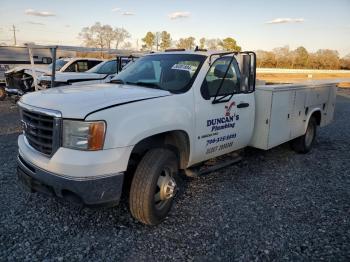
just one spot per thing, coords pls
(59, 64)
(108, 67)
(172, 72)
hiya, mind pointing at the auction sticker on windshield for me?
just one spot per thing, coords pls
(188, 68)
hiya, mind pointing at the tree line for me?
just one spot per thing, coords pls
(162, 41)
(105, 36)
(300, 58)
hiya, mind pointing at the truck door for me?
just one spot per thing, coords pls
(225, 107)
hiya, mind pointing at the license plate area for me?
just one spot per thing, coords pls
(33, 185)
(25, 180)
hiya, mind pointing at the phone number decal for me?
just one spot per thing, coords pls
(220, 139)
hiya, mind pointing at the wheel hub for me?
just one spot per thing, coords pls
(167, 187)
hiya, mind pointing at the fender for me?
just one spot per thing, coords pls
(310, 113)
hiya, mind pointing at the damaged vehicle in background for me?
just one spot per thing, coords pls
(101, 73)
(20, 80)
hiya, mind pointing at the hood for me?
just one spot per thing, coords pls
(77, 102)
(73, 77)
(28, 70)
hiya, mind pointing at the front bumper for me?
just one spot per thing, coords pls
(89, 191)
(14, 91)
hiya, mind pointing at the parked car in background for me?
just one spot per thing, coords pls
(20, 80)
(101, 73)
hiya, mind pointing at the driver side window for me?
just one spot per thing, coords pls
(223, 79)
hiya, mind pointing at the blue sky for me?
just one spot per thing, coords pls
(313, 24)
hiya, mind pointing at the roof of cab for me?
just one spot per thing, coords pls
(189, 52)
(80, 58)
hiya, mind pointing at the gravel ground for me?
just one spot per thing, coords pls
(275, 205)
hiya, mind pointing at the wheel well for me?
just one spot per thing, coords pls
(177, 141)
(317, 115)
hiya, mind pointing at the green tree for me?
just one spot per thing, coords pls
(230, 44)
(186, 43)
(165, 40)
(149, 40)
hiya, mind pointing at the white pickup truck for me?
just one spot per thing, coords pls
(160, 118)
(101, 73)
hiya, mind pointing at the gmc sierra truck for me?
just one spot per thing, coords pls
(160, 118)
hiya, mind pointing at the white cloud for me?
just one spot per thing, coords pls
(285, 20)
(34, 23)
(128, 13)
(38, 13)
(116, 9)
(176, 15)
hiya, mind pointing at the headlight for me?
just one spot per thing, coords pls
(83, 135)
(43, 84)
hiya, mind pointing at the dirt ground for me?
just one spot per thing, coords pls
(275, 205)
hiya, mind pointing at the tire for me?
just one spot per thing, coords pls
(152, 188)
(304, 143)
(2, 93)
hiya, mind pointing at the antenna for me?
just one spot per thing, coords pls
(197, 49)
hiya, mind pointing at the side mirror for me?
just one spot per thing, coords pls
(248, 71)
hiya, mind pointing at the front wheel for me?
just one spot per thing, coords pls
(304, 143)
(154, 186)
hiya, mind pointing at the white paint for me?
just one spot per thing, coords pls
(280, 111)
(189, 112)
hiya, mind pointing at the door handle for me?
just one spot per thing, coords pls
(242, 105)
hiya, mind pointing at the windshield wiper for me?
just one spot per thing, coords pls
(145, 84)
(117, 81)
(139, 83)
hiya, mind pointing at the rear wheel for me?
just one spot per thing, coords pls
(154, 186)
(2, 93)
(304, 143)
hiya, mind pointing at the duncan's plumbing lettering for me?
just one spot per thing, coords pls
(222, 122)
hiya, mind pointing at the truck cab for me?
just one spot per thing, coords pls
(101, 73)
(159, 119)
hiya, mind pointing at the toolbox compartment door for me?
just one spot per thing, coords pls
(281, 117)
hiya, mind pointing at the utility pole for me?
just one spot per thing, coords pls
(157, 39)
(14, 34)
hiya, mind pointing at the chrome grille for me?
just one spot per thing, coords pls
(41, 129)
